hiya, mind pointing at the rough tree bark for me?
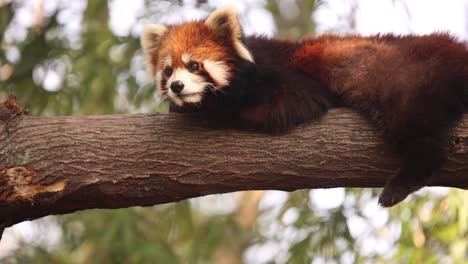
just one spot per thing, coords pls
(57, 165)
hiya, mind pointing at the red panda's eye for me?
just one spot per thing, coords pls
(194, 66)
(168, 72)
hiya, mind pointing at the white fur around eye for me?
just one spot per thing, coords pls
(218, 71)
(185, 58)
(168, 61)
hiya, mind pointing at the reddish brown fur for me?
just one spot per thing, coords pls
(413, 88)
(344, 64)
(196, 39)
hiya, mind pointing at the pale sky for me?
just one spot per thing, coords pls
(372, 16)
(410, 16)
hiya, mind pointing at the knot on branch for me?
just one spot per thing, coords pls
(10, 109)
(19, 184)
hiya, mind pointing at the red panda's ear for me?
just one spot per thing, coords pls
(225, 23)
(150, 39)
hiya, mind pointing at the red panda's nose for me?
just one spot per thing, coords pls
(177, 86)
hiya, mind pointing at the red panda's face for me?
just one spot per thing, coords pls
(192, 59)
(191, 62)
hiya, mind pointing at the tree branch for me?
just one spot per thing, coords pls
(57, 165)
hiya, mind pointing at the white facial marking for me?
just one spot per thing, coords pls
(185, 58)
(168, 61)
(218, 71)
(193, 98)
(194, 86)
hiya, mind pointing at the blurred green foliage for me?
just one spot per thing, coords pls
(92, 68)
(100, 73)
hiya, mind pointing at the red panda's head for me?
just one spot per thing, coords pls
(191, 59)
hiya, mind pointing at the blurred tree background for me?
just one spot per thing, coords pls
(67, 58)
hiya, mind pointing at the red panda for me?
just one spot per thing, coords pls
(412, 88)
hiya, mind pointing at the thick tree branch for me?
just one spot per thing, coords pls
(57, 165)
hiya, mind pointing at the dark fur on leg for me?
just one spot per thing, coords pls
(422, 158)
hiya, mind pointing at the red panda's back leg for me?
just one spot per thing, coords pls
(421, 134)
(422, 157)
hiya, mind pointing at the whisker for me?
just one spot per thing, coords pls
(164, 96)
(213, 88)
(223, 92)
